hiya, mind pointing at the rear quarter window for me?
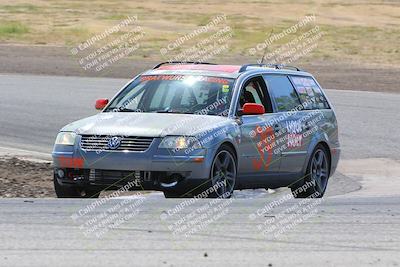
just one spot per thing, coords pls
(310, 93)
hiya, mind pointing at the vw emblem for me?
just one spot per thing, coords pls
(114, 142)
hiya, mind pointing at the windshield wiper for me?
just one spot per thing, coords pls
(127, 110)
(114, 109)
(172, 111)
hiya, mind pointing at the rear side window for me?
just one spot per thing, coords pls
(310, 93)
(282, 91)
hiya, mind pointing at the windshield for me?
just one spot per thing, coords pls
(189, 94)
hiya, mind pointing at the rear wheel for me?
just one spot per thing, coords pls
(63, 191)
(316, 180)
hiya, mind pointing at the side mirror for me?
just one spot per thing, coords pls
(253, 109)
(101, 103)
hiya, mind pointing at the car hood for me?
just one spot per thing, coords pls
(145, 124)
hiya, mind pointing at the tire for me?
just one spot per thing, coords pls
(223, 173)
(316, 178)
(63, 191)
(174, 194)
(221, 192)
(186, 192)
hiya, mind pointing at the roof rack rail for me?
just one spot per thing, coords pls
(181, 62)
(276, 66)
(282, 66)
(244, 67)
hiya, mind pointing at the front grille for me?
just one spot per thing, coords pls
(128, 143)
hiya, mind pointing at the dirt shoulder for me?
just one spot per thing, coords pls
(51, 60)
(22, 178)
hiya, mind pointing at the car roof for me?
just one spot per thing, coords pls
(227, 71)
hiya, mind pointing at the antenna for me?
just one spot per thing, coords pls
(266, 48)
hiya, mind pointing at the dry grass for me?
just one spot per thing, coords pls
(357, 31)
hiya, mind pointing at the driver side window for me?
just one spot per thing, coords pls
(254, 91)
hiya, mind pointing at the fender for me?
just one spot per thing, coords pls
(317, 138)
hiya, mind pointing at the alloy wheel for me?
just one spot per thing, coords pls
(223, 174)
(319, 170)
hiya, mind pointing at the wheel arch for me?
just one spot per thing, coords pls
(328, 150)
(324, 144)
(232, 146)
(214, 149)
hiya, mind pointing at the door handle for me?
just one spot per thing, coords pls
(277, 128)
(307, 126)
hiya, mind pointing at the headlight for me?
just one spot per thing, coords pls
(180, 142)
(66, 138)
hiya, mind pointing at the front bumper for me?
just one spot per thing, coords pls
(155, 168)
(129, 180)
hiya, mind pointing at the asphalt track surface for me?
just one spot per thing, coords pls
(359, 226)
(343, 232)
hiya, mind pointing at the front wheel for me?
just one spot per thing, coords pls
(222, 177)
(316, 180)
(63, 191)
(175, 194)
(223, 173)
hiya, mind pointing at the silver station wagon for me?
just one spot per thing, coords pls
(192, 129)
